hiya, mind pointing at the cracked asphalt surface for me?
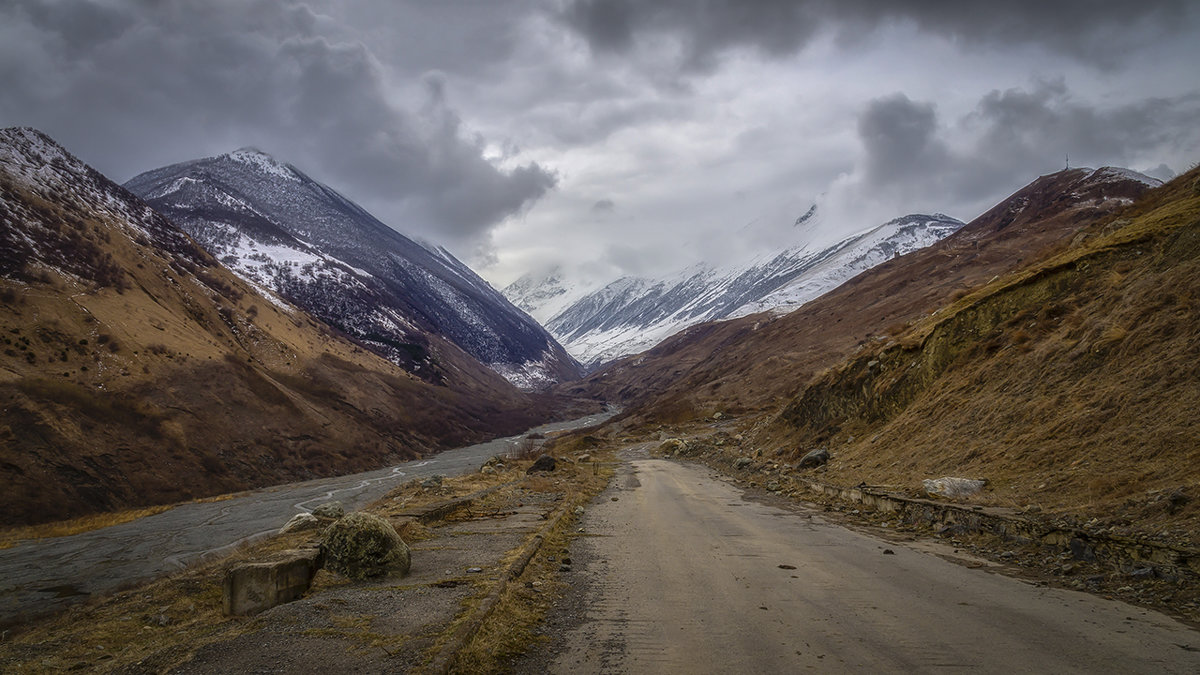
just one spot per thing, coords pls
(681, 573)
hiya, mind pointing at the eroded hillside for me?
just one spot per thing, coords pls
(135, 369)
(1071, 385)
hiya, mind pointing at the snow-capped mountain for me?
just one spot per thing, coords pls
(301, 240)
(633, 314)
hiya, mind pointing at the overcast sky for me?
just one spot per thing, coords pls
(618, 136)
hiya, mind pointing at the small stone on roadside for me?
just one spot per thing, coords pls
(888, 551)
(474, 570)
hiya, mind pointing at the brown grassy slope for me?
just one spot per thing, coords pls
(136, 370)
(757, 363)
(1073, 384)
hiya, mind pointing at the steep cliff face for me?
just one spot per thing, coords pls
(136, 369)
(301, 240)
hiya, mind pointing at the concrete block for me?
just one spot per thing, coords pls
(253, 587)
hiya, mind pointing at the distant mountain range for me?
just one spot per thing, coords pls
(303, 242)
(748, 364)
(633, 314)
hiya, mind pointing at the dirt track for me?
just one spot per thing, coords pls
(687, 576)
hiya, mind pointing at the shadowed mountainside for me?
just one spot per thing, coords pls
(135, 369)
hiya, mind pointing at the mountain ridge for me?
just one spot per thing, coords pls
(632, 314)
(305, 242)
(137, 370)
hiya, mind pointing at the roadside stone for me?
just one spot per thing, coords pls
(814, 459)
(250, 588)
(300, 522)
(579, 510)
(543, 463)
(672, 446)
(434, 481)
(949, 487)
(363, 545)
(488, 470)
(772, 487)
(329, 510)
(585, 457)
(1080, 550)
(742, 462)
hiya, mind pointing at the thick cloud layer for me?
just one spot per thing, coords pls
(616, 136)
(703, 29)
(133, 85)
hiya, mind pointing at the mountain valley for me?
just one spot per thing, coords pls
(138, 370)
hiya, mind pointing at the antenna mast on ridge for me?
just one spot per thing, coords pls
(1068, 161)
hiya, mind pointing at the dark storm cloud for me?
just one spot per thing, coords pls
(1094, 29)
(1012, 135)
(899, 137)
(137, 84)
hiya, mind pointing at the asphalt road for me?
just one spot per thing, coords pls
(683, 575)
(42, 575)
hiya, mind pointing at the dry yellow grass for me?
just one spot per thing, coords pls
(11, 536)
(1071, 385)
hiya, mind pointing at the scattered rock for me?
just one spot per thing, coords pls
(474, 570)
(949, 487)
(434, 481)
(772, 487)
(543, 463)
(564, 568)
(329, 511)
(363, 545)
(585, 457)
(718, 415)
(888, 551)
(742, 462)
(1080, 550)
(1143, 573)
(672, 446)
(301, 522)
(616, 499)
(487, 470)
(786, 567)
(814, 458)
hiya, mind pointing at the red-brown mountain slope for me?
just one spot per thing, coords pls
(135, 369)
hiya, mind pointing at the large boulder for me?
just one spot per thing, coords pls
(543, 463)
(301, 522)
(814, 459)
(329, 511)
(363, 545)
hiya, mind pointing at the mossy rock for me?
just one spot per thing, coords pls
(362, 545)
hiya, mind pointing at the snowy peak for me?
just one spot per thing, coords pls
(305, 242)
(633, 314)
(260, 161)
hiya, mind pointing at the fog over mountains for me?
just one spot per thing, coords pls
(632, 314)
